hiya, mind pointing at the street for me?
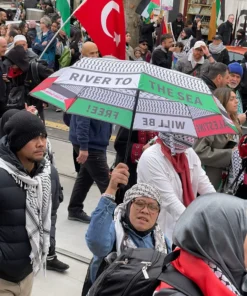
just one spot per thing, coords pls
(71, 245)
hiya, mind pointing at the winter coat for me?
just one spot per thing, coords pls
(225, 30)
(222, 57)
(101, 234)
(129, 53)
(4, 88)
(31, 55)
(162, 57)
(241, 42)
(38, 48)
(154, 168)
(214, 156)
(32, 34)
(184, 65)
(209, 83)
(89, 133)
(76, 55)
(177, 28)
(15, 247)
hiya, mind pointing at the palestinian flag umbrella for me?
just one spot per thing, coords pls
(136, 95)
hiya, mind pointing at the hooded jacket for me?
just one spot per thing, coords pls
(214, 228)
(177, 28)
(225, 30)
(162, 57)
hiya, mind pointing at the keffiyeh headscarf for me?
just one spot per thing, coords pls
(177, 143)
(124, 242)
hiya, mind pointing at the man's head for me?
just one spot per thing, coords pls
(198, 18)
(217, 40)
(179, 17)
(142, 206)
(231, 18)
(197, 50)
(166, 41)
(3, 17)
(90, 50)
(45, 24)
(236, 74)
(219, 74)
(3, 46)
(26, 135)
(20, 40)
(189, 24)
(240, 34)
(10, 36)
(186, 33)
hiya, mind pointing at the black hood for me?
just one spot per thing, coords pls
(7, 155)
(18, 56)
(209, 83)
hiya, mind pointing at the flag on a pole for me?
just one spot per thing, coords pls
(215, 13)
(63, 6)
(107, 27)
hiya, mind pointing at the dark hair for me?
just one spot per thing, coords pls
(217, 69)
(76, 36)
(166, 36)
(188, 23)
(22, 26)
(13, 33)
(180, 45)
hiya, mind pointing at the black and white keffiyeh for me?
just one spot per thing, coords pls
(224, 280)
(123, 241)
(38, 210)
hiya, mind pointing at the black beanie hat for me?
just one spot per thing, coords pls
(5, 118)
(23, 127)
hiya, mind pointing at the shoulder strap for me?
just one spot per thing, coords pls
(178, 281)
(191, 71)
(35, 72)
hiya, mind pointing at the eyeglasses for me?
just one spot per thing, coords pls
(144, 44)
(140, 205)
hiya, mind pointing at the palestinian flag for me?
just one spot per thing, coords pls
(63, 6)
(146, 7)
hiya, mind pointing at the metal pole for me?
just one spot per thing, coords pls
(53, 38)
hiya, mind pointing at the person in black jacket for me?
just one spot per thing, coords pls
(177, 26)
(240, 39)
(147, 33)
(20, 71)
(24, 175)
(217, 76)
(225, 30)
(195, 25)
(219, 51)
(4, 82)
(162, 56)
(76, 38)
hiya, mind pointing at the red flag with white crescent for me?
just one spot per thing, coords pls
(105, 23)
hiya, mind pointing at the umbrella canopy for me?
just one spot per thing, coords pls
(159, 99)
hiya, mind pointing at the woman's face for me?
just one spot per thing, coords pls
(144, 213)
(3, 31)
(183, 34)
(26, 28)
(54, 27)
(232, 104)
(128, 38)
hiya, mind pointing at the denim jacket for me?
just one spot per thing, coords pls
(101, 235)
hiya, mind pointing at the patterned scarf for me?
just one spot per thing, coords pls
(123, 241)
(38, 210)
(216, 49)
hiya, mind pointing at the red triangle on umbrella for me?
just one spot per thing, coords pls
(69, 102)
(44, 84)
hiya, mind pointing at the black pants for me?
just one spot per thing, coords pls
(95, 169)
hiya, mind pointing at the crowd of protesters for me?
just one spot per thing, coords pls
(163, 175)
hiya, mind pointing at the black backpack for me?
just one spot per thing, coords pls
(137, 272)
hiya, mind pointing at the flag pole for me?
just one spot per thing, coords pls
(54, 37)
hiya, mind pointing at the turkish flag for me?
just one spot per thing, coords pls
(104, 21)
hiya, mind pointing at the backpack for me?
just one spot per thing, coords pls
(134, 273)
(16, 97)
(65, 58)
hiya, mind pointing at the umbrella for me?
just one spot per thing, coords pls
(136, 95)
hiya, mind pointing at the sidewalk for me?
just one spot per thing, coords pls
(70, 234)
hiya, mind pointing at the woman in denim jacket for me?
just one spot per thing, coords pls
(134, 224)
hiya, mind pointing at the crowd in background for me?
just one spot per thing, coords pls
(163, 174)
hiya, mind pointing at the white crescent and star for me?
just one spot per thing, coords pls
(104, 16)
